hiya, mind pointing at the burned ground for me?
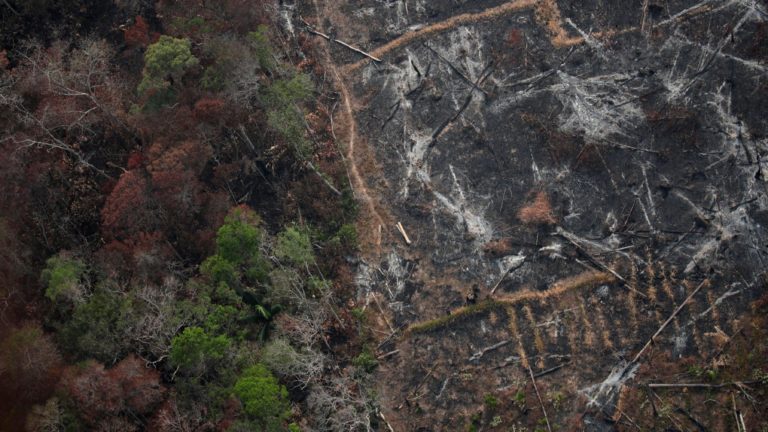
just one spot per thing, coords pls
(568, 176)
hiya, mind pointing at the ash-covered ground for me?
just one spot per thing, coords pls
(568, 174)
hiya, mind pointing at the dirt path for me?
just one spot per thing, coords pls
(371, 219)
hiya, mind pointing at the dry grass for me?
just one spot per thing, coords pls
(539, 212)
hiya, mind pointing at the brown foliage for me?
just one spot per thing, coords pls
(137, 35)
(101, 393)
(209, 110)
(498, 248)
(186, 156)
(145, 255)
(538, 212)
(127, 207)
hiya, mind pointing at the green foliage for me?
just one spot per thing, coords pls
(281, 101)
(99, 327)
(317, 287)
(295, 246)
(167, 58)
(195, 347)
(288, 92)
(262, 47)
(62, 276)
(213, 78)
(520, 399)
(490, 401)
(474, 422)
(238, 240)
(496, 421)
(288, 121)
(347, 235)
(237, 245)
(264, 399)
(557, 400)
(456, 315)
(703, 372)
(293, 427)
(219, 270)
(223, 319)
(365, 360)
(359, 314)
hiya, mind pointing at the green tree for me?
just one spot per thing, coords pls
(168, 58)
(237, 250)
(295, 246)
(194, 348)
(237, 241)
(264, 399)
(62, 278)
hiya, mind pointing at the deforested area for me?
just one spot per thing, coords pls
(369, 215)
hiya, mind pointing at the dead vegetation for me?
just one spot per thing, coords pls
(537, 212)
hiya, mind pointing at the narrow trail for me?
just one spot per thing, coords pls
(373, 219)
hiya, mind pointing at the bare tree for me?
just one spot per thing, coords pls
(75, 89)
(157, 319)
(341, 404)
(302, 366)
(49, 417)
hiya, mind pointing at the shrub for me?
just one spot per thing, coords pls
(490, 401)
(365, 360)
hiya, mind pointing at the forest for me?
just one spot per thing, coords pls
(176, 224)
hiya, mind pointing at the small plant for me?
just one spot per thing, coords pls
(520, 399)
(474, 422)
(557, 400)
(490, 401)
(761, 376)
(365, 360)
(358, 313)
(703, 372)
(496, 421)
